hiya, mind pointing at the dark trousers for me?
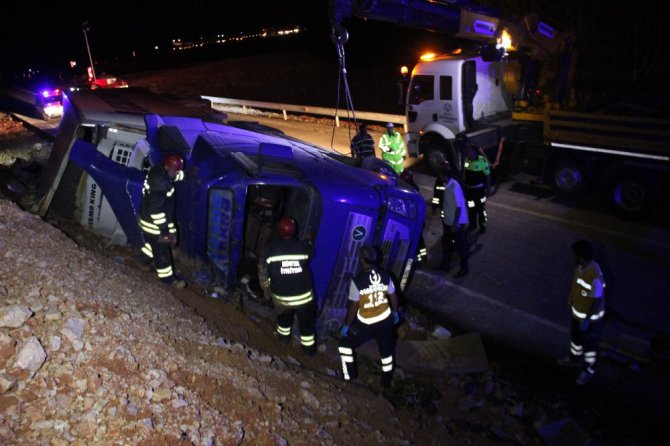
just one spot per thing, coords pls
(161, 254)
(455, 239)
(360, 333)
(584, 344)
(305, 314)
(476, 198)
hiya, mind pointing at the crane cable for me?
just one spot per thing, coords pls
(339, 36)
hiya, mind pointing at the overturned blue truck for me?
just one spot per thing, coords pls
(240, 179)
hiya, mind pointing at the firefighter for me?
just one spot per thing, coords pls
(477, 175)
(372, 313)
(362, 144)
(587, 304)
(393, 148)
(157, 217)
(284, 271)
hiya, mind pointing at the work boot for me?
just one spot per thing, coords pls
(309, 352)
(286, 340)
(179, 284)
(584, 378)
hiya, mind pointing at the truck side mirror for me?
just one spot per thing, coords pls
(490, 52)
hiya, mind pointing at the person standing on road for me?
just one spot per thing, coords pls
(157, 217)
(393, 148)
(454, 222)
(587, 304)
(477, 173)
(362, 144)
(284, 269)
(372, 313)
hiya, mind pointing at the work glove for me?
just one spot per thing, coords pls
(396, 318)
(584, 325)
(344, 330)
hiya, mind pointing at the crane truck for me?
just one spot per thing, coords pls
(512, 79)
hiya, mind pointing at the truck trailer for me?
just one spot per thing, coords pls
(239, 181)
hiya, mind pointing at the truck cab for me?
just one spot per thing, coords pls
(448, 95)
(238, 183)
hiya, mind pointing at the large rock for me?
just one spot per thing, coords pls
(14, 316)
(31, 355)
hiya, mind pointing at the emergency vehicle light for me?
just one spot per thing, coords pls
(428, 56)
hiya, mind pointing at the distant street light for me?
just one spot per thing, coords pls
(84, 29)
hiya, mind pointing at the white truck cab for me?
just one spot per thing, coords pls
(451, 94)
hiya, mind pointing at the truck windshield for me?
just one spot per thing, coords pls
(421, 89)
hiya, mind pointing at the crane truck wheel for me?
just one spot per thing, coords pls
(570, 177)
(435, 156)
(632, 195)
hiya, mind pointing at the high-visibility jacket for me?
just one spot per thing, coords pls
(158, 202)
(287, 263)
(476, 171)
(587, 295)
(371, 288)
(393, 150)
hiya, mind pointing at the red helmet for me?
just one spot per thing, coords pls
(173, 161)
(287, 227)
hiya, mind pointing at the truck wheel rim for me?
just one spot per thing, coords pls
(568, 178)
(629, 196)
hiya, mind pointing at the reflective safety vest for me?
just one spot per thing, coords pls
(158, 202)
(393, 150)
(476, 171)
(371, 289)
(287, 263)
(587, 295)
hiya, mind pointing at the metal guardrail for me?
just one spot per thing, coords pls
(218, 103)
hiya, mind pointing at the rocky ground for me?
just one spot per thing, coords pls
(94, 350)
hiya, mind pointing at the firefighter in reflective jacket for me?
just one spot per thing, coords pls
(587, 305)
(393, 148)
(157, 216)
(372, 313)
(284, 269)
(477, 178)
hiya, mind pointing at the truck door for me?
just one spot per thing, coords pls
(469, 89)
(421, 103)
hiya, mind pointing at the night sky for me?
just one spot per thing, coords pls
(619, 40)
(51, 32)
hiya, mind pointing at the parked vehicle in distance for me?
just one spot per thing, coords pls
(49, 103)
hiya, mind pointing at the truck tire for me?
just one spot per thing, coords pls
(435, 155)
(633, 194)
(570, 177)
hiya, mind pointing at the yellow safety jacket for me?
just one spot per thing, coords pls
(587, 295)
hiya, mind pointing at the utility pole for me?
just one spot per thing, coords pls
(85, 28)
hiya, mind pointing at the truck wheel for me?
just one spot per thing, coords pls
(632, 195)
(570, 177)
(435, 156)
